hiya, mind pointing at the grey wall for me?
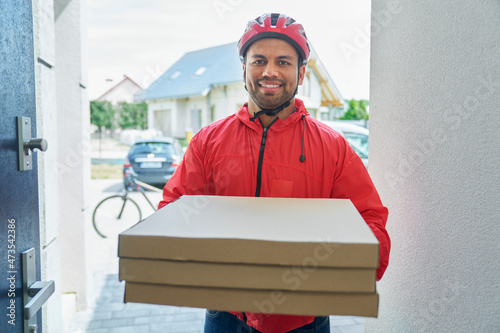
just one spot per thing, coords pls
(434, 155)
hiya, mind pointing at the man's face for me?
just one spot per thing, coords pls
(272, 72)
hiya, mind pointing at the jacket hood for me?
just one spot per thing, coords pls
(244, 116)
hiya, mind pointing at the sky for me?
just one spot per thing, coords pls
(142, 39)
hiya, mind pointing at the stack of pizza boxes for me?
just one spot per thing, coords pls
(264, 255)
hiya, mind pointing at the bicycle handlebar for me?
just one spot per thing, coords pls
(149, 187)
(129, 174)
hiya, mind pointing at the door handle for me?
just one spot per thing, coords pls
(35, 293)
(27, 144)
(40, 291)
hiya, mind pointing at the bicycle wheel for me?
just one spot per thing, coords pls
(114, 215)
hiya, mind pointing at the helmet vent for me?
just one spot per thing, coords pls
(289, 21)
(275, 25)
(274, 19)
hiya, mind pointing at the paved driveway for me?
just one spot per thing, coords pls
(108, 314)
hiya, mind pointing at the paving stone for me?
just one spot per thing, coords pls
(129, 329)
(72, 329)
(334, 329)
(151, 307)
(352, 329)
(159, 311)
(118, 322)
(94, 324)
(101, 315)
(109, 307)
(131, 313)
(342, 321)
(178, 326)
(150, 320)
(183, 316)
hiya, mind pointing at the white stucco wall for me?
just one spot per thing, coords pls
(74, 148)
(236, 97)
(228, 99)
(434, 156)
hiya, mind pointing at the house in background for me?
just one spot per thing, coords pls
(206, 85)
(123, 91)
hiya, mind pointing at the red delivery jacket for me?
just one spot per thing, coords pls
(238, 157)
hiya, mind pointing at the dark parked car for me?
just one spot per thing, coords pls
(152, 161)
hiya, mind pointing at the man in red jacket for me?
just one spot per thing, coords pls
(272, 148)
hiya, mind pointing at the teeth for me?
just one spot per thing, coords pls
(270, 85)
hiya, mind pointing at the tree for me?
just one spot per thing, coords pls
(125, 115)
(133, 115)
(102, 114)
(356, 110)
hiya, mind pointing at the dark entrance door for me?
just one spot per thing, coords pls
(19, 223)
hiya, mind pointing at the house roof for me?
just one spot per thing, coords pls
(195, 73)
(330, 95)
(116, 86)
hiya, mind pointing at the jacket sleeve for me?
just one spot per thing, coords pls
(188, 178)
(354, 183)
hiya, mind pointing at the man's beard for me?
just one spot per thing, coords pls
(269, 100)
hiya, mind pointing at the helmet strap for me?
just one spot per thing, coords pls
(270, 112)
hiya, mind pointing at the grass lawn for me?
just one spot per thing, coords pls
(106, 171)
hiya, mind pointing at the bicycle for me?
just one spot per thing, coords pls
(119, 212)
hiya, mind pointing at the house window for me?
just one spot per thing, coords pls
(325, 114)
(196, 120)
(200, 71)
(313, 113)
(212, 113)
(175, 75)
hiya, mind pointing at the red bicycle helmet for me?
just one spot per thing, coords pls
(275, 26)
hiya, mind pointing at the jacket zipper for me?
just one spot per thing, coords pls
(261, 156)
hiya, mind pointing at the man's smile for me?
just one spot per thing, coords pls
(270, 87)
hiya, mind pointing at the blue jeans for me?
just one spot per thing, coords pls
(224, 322)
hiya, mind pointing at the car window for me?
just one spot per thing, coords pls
(153, 147)
(359, 141)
